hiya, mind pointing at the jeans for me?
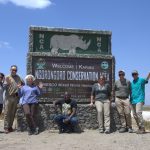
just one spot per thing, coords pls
(71, 124)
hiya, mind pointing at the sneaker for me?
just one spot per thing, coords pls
(6, 131)
(30, 132)
(130, 130)
(36, 131)
(122, 130)
(101, 131)
(107, 131)
(140, 131)
(10, 129)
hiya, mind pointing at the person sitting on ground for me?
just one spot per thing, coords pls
(29, 101)
(67, 121)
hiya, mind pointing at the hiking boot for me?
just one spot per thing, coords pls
(101, 131)
(36, 131)
(6, 131)
(30, 132)
(122, 130)
(140, 131)
(10, 129)
(130, 130)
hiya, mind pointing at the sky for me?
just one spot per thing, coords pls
(128, 20)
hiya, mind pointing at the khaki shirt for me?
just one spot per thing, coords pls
(12, 86)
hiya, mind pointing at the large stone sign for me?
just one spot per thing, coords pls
(69, 60)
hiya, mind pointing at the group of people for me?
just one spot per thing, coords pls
(127, 96)
(14, 90)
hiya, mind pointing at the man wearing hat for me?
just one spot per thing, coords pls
(138, 98)
(122, 92)
(66, 121)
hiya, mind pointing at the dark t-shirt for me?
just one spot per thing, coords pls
(66, 108)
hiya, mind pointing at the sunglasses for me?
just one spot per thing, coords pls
(1, 77)
(121, 74)
(101, 79)
(14, 70)
(134, 74)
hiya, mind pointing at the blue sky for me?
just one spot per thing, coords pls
(127, 19)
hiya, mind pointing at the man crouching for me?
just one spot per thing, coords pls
(67, 121)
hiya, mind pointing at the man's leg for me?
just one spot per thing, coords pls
(7, 113)
(120, 108)
(1, 108)
(133, 108)
(127, 112)
(59, 121)
(13, 111)
(139, 108)
(73, 122)
(100, 112)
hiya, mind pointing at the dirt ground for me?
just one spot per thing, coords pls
(87, 140)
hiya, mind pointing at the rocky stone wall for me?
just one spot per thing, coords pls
(87, 117)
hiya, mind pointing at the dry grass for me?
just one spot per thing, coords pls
(147, 125)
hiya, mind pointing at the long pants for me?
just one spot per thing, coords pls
(72, 122)
(30, 111)
(137, 114)
(124, 109)
(1, 108)
(103, 114)
(10, 111)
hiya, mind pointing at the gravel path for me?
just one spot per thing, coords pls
(88, 140)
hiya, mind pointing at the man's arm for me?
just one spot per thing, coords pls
(148, 77)
(73, 113)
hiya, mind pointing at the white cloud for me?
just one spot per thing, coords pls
(32, 4)
(4, 44)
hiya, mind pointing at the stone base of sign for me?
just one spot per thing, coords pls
(87, 117)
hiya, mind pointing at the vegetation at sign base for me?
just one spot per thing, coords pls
(147, 125)
(146, 108)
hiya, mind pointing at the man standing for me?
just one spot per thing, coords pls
(138, 98)
(122, 92)
(67, 121)
(11, 84)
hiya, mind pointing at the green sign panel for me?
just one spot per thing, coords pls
(57, 41)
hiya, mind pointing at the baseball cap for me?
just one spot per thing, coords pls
(121, 71)
(135, 72)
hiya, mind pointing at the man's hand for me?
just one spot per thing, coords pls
(149, 75)
(91, 104)
(40, 85)
(113, 104)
